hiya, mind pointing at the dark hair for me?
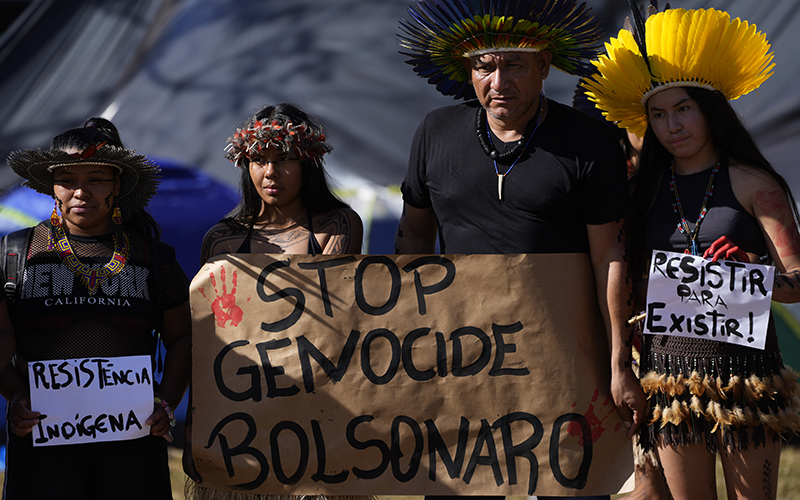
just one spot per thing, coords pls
(95, 131)
(731, 138)
(315, 192)
(106, 128)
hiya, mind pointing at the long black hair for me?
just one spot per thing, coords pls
(315, 192)
(96, 130)
(730, 137)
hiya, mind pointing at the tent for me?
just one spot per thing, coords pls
(177, 76)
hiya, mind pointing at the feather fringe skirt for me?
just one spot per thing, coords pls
(691, 408)
(719, 394)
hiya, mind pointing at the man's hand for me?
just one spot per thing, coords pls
(629, 399)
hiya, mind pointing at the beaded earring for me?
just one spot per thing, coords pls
(54, 217)
(116, 215)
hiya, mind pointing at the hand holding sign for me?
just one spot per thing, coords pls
(20, 416)
(725, 249)
(624, 386)
(162, 420)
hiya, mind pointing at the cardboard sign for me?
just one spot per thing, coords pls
(403, 375)
(91, 399)
(693, 297)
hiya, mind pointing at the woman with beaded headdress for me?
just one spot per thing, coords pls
(97, 283)
(287, 205)
(704, 188)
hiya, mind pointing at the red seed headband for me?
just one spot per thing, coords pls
(302, 141)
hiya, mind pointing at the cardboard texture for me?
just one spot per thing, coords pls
(403, 375)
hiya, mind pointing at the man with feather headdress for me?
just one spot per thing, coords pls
(510, 171)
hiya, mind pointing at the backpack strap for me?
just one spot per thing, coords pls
(162, 257)
(14, 250)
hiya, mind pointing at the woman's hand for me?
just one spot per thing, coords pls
(161, 421)
(176, 334)
(725, 249)
(20, 416)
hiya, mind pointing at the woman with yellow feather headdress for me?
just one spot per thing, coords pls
(704, 188)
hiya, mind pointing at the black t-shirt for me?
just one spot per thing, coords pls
(572, 174)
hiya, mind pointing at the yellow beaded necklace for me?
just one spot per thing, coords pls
(90, 277)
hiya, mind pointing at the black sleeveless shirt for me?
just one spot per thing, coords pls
(725, 216)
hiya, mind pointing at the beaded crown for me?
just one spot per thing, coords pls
(304, 142)
(441, 34)
(698, 48)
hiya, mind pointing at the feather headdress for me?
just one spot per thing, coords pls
(698, 48)
(443, 33)
(580, 100)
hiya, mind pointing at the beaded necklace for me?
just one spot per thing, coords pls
(91, 278)
(683, 225)
(518, 150)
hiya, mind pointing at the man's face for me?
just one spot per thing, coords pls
(508, 83)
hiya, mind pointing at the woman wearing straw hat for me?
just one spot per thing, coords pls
(704, 188)
(97, 284)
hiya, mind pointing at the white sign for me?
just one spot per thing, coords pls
(91, 399)
(693, 297)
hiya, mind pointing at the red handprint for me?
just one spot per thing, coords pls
(224, 305)
(595, 422)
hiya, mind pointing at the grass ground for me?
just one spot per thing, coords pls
(788, 482)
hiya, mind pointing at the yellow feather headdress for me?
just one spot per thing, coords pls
(697, 48)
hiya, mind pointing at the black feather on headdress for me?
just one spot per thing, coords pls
(637, 28)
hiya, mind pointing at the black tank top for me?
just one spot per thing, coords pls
(725, 216)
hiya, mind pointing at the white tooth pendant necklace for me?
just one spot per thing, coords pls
(500, 179)
(516, 152)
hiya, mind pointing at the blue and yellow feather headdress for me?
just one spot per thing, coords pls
(699, 48)
(443, 33)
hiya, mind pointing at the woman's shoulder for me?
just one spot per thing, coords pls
(339, 231)
(223, 237)
(751, 180)
(337, 220)
(753, 186)
(226, 227)
(750, 173)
